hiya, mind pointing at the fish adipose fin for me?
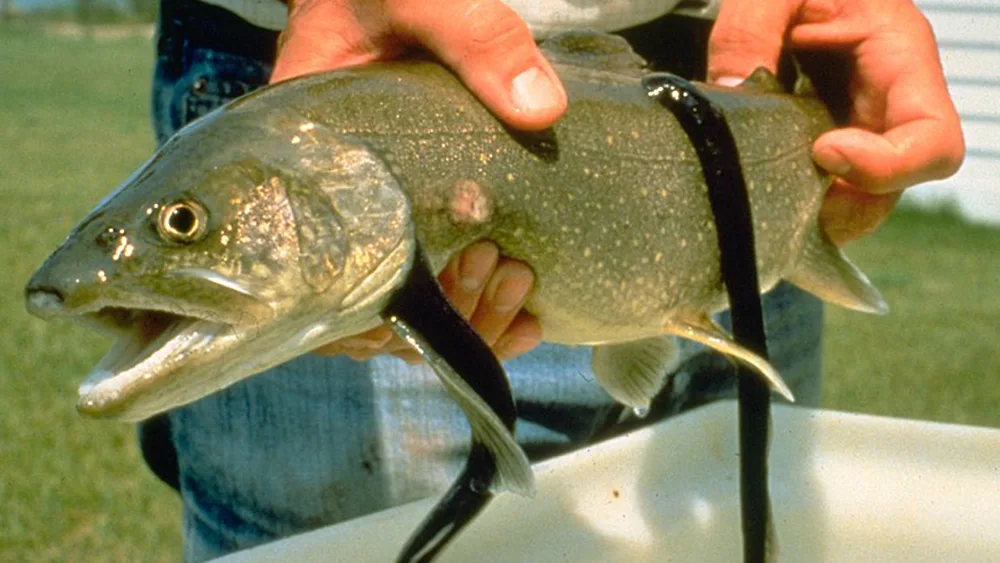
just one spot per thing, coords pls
(826, 273)
(634, 372)
(705, 331)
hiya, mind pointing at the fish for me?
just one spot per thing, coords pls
(298, 214)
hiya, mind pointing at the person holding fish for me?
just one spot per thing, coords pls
(326, 437)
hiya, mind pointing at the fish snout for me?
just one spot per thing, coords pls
(44, 301)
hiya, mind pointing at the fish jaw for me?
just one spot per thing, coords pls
(156, 345)
(143, 356)
(160, 360)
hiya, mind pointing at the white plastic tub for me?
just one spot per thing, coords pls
(845, 487)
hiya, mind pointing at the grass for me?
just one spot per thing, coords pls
(935, 355)
(74, 122)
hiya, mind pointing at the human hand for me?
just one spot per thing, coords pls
(903, 127)
(484, 42)
(485, 288)
(491, 50)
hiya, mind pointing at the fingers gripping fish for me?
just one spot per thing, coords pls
(296, 215)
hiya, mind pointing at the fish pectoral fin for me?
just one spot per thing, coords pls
(513, 468)
(634, 372)
(705, 331)
(826, 273)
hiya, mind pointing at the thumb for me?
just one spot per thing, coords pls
(747, 34)
(322, 35)
(491, 49)
(897, 159)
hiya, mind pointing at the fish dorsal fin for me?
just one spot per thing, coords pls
(634, 372)
(593, 49)
(763, 81)
(825, 272)
(703, 330)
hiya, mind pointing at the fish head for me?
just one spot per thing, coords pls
(249, 238)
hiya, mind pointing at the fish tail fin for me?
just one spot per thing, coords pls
(826, 273)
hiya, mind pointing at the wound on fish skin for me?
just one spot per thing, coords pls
(471, 203)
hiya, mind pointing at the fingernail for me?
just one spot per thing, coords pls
(511, 293)
(730, 81)
(534, 92)
(475, 265)
(832, 161)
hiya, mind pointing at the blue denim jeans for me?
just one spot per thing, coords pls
(320, 440)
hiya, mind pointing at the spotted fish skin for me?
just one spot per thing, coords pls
(609, 207)
(310, 199)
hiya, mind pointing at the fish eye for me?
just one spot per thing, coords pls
(182, 222)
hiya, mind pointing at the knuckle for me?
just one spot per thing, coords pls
(921, 25)
(480, 27)
(954, 154)
(739, 42)
(494, 28)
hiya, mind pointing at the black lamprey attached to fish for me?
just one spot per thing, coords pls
(706, 126)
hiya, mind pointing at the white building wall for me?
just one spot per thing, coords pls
(968, 32)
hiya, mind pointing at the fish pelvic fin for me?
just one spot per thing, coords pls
(826, 273)
(513, 468)
(634, 372)
(703, 330)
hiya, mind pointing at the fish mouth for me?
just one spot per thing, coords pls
(150, 344)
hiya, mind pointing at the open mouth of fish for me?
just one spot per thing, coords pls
(150, 344)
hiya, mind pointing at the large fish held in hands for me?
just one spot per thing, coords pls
(298, 215)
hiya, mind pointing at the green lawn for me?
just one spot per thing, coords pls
(74, 122)
(936, 355)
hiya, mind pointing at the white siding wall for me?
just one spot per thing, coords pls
(968, 32)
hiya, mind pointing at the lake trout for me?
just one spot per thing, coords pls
(292, 217)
